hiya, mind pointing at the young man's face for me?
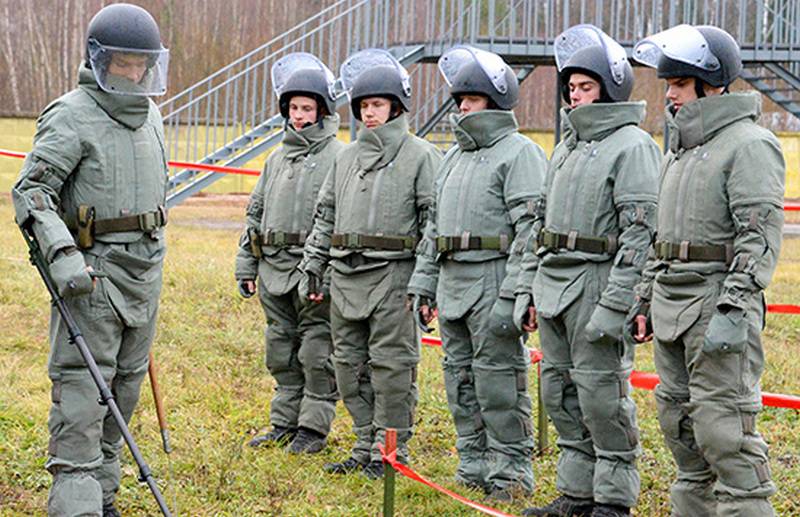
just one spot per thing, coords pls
(130, 66)
(302, 111)
(582, 90)
(471, 103)
(681, 90)
(375, 111)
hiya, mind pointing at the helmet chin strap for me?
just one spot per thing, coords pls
(698, 88)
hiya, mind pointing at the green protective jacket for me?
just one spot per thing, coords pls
(602, 183)
(282, 202)
(722, 183)
(380, 185)
(104, 151)
(488, 186)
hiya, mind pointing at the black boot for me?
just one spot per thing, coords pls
(278, 436)
(307, 441)
(563, 506)
(345, 467)
(610, 510)
(110, 511)
(374, 470)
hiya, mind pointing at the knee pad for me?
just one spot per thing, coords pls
(280, 350)
(459, 381)
(560, 396)
(728, 439)
(505, 404)
(677, 428)
(76, 421)
(396, 389)
(353, 379)
(608, 410)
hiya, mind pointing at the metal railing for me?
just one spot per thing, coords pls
(232, 115)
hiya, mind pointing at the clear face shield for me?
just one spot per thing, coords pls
(359, 62)
(582, 36)
(288, 65)
(127, 71)
(682, 43)
(452, 61)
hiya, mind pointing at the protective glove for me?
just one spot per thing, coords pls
(605, 326)
(70, 274)
(726, 332)
(501, 318)
(246, 287)
(310, 288)
(421, 308)
(525, 313)
(638, 313)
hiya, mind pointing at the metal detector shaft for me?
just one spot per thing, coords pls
(106, 397)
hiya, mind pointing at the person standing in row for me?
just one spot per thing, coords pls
(598, 215)
(369, 217)
(467, 263)
(94, 189)
(279, 218)
(720, 221)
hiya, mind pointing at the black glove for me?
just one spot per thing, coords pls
(417, 302)
(640, 308)
(244, 289)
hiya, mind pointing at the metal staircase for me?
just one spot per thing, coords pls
(232, 116)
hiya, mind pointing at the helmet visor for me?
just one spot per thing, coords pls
(359, 62)
(459, 56)
(287, 66)
(129, 71)
(581, 36)
(682, 43)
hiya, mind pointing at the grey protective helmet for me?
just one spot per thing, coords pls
(588, 50)
(704, 52)
(301, 73)
(375, 73)
(468, 70)
(130, 31)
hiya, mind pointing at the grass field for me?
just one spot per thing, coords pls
(209, 350)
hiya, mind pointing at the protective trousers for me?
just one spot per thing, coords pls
(376, 364)
(707, 408)
(84, 439)
(486, 378)
(587, 396)
(298, 356)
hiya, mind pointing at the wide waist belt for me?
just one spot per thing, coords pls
(279, 239)
(468, 242)
(574, 242)
(375, 242)
(688, 252)
(87, 227)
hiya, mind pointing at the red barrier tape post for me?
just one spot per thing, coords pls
(410, 474)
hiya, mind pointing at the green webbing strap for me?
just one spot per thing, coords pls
(574, 242)
(688, 252)
(281, 239)
(146, 222)
(466, 242)
(375, 242)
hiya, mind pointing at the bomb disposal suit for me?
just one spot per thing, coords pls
(369, 218)
(720, 219)
(279, 218)
(94, 189)
(486, 191)
(598, 222)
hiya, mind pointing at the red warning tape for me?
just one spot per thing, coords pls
(649, 381)
(536, 355)
(391, 459)
(181, 165)
(791, 207)
(783, 308)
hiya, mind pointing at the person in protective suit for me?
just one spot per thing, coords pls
(597, 223)
(369, 217)
(467, 263)
(94, 189)
(720, 219)
(279, 218)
